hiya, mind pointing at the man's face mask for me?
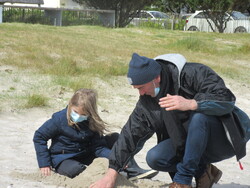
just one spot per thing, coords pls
(157, 89)
(77, 118)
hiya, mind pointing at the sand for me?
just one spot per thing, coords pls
(117, 99)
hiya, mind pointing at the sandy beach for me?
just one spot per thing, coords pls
(117, 99)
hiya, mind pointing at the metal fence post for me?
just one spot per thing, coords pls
(1, 13)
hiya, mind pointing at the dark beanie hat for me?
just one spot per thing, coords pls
(142, 70)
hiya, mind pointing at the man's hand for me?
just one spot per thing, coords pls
(176, 102)
(108, 181)
(46, 171)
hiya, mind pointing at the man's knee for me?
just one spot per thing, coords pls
(70, 168)
(162, 157)
(199, 116)
(152, 158)
(156, 162)
(199, 120)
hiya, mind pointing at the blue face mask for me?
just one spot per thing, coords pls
(157, 90)
(77, 118)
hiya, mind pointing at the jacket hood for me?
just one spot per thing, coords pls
(177, 59)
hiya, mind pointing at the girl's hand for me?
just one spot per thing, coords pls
(46, 171)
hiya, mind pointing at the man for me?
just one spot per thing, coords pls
(193, 115)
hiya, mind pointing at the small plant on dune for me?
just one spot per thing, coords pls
(245, 48)
(36, 100)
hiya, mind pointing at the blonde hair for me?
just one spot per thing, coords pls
(87, 100)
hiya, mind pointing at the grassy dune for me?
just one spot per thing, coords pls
(70, 57)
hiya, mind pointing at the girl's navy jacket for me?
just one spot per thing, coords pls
(66, 141)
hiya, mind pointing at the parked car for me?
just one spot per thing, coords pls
(237, 23)
(149, 16)
(184, 16)
(157, 14)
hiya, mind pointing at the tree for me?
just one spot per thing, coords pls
(174, 6)
(125, 10)
(242, 5)
(215, 10)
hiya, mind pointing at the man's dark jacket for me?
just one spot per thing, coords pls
(192, 81)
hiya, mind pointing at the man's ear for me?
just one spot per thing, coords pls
(158, 79)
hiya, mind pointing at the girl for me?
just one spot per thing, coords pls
(76, 134)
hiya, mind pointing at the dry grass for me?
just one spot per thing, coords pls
(72, 56)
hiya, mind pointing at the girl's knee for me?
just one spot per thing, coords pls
(70, 168)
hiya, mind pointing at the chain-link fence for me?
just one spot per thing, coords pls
(58, 17)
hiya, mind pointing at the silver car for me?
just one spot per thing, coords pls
(238, 23)
(149, 16)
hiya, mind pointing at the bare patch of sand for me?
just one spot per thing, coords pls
(116, 101)
(85, 179)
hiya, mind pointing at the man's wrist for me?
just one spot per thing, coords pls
(193, 105)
